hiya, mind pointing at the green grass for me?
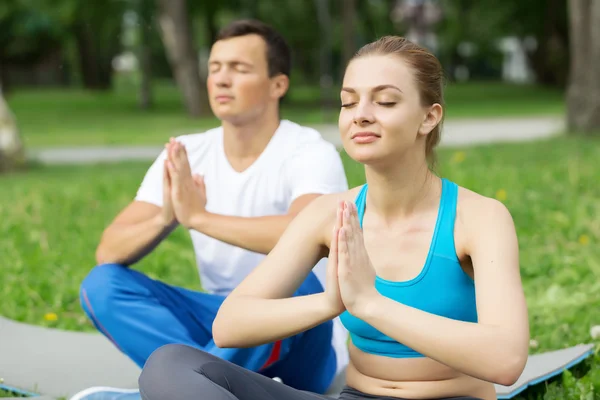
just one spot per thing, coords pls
(51, 219)
(55, 117)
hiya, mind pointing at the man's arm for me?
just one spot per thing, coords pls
(313, 171)
(134, 233)
(142, 225)
(258, 234)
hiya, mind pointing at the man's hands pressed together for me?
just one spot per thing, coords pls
(184, 194)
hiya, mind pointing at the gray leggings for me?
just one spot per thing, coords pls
(179, 372)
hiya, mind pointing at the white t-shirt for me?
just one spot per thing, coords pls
(296, 161)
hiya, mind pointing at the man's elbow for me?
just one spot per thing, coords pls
(105, 256)
(102, 257)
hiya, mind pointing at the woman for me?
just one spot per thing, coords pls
(424, 274)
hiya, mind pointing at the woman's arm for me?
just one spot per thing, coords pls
(496, 348)
(261, 309)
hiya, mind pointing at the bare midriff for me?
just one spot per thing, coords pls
(411, 378)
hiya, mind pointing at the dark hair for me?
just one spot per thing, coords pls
(279, 58)
(428, 73)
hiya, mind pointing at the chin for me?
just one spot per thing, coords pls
(364, 154)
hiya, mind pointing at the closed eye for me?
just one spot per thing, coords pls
(347, 105)
(387, 104)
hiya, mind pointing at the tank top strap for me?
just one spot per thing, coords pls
(361, 202)
(444, 244)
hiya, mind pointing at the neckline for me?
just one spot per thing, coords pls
(232, 171)
(362, 204)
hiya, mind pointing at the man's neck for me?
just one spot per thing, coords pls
(244, 143)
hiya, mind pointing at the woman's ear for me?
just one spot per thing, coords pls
(432, 118)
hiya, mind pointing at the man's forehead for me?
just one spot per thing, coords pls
(247, 49)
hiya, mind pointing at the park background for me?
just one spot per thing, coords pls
(90, 91)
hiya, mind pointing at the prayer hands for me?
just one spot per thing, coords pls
(185, 195)
(350, 264)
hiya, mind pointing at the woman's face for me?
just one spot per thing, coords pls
(382, 116)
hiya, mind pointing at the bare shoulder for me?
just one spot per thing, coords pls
(320, 212)
(475, 209)
(480, 218)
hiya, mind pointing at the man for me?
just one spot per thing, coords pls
(236, 188)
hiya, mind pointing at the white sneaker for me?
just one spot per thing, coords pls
(107, 393)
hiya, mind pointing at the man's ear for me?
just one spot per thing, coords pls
(279, 86)
(431, 119)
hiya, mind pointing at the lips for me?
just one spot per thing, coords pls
(223, 98)
(364, 137)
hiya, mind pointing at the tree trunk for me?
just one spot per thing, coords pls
(12, 153)
(583, 95)
(348, 30)
(145, 56)
(325, 64)
(97, 39)
(176, 32)
(547, 60)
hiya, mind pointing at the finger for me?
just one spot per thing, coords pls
(181, 156)
(354, 219)
(346, 222)
(166, 175)
(342, 244)
(199, 181)
(333, 246)
(171, 148)
(174, 176)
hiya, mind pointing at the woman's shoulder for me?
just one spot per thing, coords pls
(476, 212)
(327, 203)
(321, 212)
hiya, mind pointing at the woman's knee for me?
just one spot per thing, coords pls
(173, 365)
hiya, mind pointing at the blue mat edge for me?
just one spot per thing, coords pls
(548, 376)
(18, 391)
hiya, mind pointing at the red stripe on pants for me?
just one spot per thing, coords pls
(275, 353)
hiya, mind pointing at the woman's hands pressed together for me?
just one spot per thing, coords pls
(350, 274)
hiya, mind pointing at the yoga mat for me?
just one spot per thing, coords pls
(543, 366)
(59, 363)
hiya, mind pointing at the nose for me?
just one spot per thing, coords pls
(221, 78)
(363, 114)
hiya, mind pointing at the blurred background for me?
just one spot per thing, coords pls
(90, 91)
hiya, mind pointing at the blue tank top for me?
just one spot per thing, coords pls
(442, 287)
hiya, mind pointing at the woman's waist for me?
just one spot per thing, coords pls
(411, 378)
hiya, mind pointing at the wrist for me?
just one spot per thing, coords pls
(199, 221)
(367, 306)
(330, 310)
(162, 222)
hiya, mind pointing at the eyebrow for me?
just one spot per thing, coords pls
(231, 62)
(375, 89)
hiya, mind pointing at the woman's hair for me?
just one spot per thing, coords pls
(428, 73)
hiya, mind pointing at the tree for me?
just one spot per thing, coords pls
(178, 39)
(583, 94)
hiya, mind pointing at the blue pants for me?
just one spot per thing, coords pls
(139, 315)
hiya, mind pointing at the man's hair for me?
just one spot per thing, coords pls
(278, 51)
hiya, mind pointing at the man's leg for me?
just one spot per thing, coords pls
(139, 315)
